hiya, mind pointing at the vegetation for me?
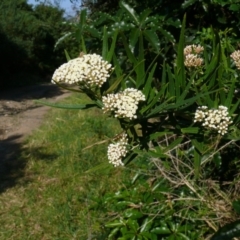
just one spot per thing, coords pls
(172, 88)
(55, 199)
(28, 38)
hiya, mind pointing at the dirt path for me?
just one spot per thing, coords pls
(19, 115)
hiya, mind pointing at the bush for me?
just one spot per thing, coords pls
(180, 130)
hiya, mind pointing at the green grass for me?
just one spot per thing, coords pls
(54, 197)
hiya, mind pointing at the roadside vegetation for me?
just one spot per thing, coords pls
(56, 197)
(150, 149)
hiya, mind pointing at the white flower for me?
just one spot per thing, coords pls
(90, 70)
(123, 104)
(193, 49)
(192, 60)
(217, 119)
(116, 151)
(191, 53)
(236, 58)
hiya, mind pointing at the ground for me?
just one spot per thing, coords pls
(20, 115)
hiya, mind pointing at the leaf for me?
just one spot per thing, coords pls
(190, 130)
(173, 144)
(180, 68)
(228, 232)
(133, 38)
(236, 206)
(132, 214)
(129, 53)
(148, 85)
(140, 66)
(114, 224)
(83, 45)
(146, 225)
(130, 11)
(197, 164)
(153, 39)
(100, 166)
(188, 3)
(67, 55)
(105, 43)
(67, 106)
(113, 46)
(82, 21)
(154, 100)
(144, 14)
(66, 35)
(234, 7)
(114, 85)
(167, 35)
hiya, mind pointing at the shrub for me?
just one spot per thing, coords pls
(180, 130)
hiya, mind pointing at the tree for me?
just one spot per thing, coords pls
(28, 37)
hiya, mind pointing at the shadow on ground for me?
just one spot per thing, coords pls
(46, 90)
(13, 102)
(14, 160)
(11, 166)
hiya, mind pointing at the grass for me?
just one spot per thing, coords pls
(54, 197)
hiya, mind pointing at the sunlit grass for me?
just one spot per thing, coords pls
(53, 199)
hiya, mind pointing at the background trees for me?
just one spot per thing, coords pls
(28, 36)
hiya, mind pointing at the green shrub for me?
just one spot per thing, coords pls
(181, 127)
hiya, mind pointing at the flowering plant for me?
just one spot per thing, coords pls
(184, 121)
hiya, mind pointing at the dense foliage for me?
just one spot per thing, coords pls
(182, 138)
(28, 36)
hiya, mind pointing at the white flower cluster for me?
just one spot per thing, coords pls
(216, 119)
(89, 69)
(191, 53)
(236, 58)
(116, 151)
(123, 104)
(193, 49)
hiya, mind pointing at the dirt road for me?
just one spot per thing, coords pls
(19, 115)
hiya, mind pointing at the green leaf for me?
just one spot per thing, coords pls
(230, 95)
(114, 85)
(112, 48)
(83, 46)
(198, 145)
(228, 232)
(99, 167)
(67, 55)
(180, 68)
(105, 43)
(146, 225)
(133, 38)
(67, 106)
(112, 233)
(148, 85)
(114, 224)
(144, 14)
(129, 53)
(161, 230)
(167, 35)
(190, 130)
(188, 3)
(117, 67)
(161, 108)
(140, 67)
(173, 144)
(236, 206)
(234, 7)
(154, 100)
(153, 39)
(81, 24)
(130, 11)
(197, 164)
